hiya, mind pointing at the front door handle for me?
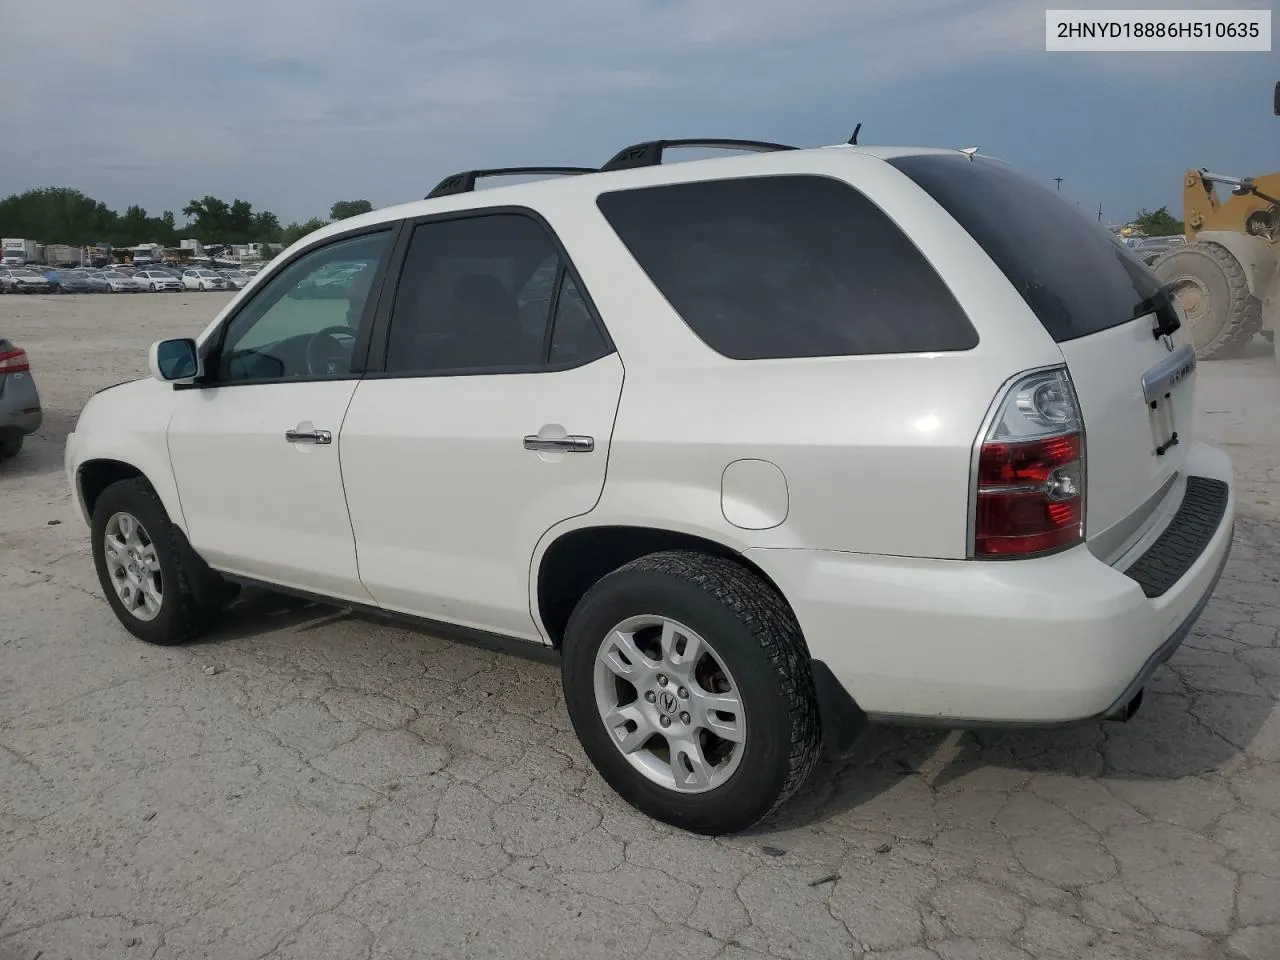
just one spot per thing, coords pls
(570, 444)
(308, 436)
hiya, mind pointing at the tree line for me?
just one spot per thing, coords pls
(1158, 223)
(65, 215)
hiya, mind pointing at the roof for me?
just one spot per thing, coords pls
(538, 192)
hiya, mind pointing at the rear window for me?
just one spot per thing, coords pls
(1073, 273)
(787, 266)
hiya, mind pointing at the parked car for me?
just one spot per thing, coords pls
(113, 281)
(903, 438)
(157, 280)
(74, 281)
(235, 278)
(330, 283)
(1149, 249)
(24, 280)
(202, 279)
(20, 412)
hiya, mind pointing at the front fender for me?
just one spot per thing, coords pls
(127, 424)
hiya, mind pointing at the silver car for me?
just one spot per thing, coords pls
(20, 412)
(113, 281)
(24, 280)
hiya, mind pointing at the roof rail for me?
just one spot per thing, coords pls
(465, 181)
(650, 154)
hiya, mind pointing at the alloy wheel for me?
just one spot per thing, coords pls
(669, 704)
(133, 566)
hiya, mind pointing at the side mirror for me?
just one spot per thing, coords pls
(175, 361)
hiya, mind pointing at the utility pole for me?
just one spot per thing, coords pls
(1099, 212)
(1058, 181)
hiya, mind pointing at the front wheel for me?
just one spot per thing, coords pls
(160, 591)
(689, 684)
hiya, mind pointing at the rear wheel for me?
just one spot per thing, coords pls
(1211, 288)
(10, 448)
(160, 591)
(689, 684)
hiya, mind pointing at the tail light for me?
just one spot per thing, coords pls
(1028, 497)
(14, 361)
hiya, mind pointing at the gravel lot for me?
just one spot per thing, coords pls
(307, 784)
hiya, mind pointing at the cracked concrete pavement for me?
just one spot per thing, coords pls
(306, 784)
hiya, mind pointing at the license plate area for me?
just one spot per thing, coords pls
(1160, 385)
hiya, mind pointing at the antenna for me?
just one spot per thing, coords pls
(853, 141)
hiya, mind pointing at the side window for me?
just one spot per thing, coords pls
(575, 338)
(787, 266)
(476, 293)
(303, 321)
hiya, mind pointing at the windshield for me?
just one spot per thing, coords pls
(25, 273)
(112, 275)
(1075, 276)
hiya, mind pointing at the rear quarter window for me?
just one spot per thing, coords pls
(787, 266)
(1075, 276)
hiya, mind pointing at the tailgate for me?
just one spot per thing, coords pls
(1137, 396)
(1102, 306)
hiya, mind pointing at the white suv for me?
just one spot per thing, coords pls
(768, 447)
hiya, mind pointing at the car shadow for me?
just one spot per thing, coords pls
(1194, 719)
(1182, 729)
(256, 612)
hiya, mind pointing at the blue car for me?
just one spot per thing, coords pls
(74, 281)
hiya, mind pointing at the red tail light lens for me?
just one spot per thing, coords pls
(1029, 496)
(14, 361)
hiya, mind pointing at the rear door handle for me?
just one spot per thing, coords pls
(308, 436)
(570, 444)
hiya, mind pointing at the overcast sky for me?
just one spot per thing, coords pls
(292, 105)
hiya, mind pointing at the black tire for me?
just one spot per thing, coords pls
(1223, 316)
(192, 595)
(755, 634)
(10, 448)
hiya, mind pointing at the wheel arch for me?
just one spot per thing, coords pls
(572, 560)
(94, 476)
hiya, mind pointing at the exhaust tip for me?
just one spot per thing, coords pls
(1123, 714)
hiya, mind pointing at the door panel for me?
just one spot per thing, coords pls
(446, 502)
(253, 447)
(257, 504)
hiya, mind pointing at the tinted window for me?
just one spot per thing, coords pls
(303, 321)
(793, 266)
(477, 293)
(1074, 275)
(575, 337)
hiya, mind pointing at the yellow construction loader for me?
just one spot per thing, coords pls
(1226, 276)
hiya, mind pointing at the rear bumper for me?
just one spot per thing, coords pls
(1033, 642)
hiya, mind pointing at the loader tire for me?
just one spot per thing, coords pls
(1211, 288)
